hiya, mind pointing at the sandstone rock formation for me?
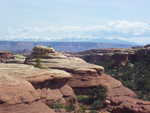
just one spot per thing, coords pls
(27, 87)
(41, 51)
(84, 76)
(77, 67)
(120, 99)
(5, 56)
(18, 59)
(114, 56)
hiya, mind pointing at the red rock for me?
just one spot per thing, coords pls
(5, 56)
(24, 86)
(36, 107)
(15, 91)
(126, 104)
(84, 76)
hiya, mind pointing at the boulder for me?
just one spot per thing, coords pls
(42, 51)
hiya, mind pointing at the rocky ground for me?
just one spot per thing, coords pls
(50, 82)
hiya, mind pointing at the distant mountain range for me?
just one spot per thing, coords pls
(24, 46)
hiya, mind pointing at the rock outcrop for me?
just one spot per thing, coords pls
(84, 76)
(126, 104)
(5, 56)
(78, 68)
(120, 99)
(114, 56)
(27, 87)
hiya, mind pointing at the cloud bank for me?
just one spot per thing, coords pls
(133, 32)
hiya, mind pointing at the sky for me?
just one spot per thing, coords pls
(75, 20)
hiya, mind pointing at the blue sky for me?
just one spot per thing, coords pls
(55, 20)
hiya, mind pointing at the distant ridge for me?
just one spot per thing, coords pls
(26, 46)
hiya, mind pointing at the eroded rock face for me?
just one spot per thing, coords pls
(41, 51)
(119, 98)
(125, 104)
(36, 107)
(113, 56)
(16, 91)
(19, 96)
(5, 56)
(84, 76)
(78, 68)
(27, 87)
(123, 100)
(35, 89)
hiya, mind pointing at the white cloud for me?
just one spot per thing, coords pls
(138, 32)
(130, 27)
(141, 40)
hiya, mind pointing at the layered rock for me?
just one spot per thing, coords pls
(41, 51)
(77, 67)
(84, 76)
(36, 107)
(5, 56)
(114, 56)
(8, 57)
(18, 59)
(123, 100)
(120, 99)
(126, 104)
(19, 96)
(32, 89)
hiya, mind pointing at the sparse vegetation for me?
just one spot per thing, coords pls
(57, 106)
(98, 95)
(70, 108)
(135, 75)
(82, 109)
(95, 98)
(38, 63)
(19, 56)
(93, 111)
(84, 99)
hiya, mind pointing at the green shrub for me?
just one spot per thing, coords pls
(98, 95)
(97, 104)
(38, 63)
(56, 105)
(94, 99)
(93, 111)
(84, 99)
(70, 107)
(82, 109)
(135, 75)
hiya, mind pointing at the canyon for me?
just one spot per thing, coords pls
(47, 81)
